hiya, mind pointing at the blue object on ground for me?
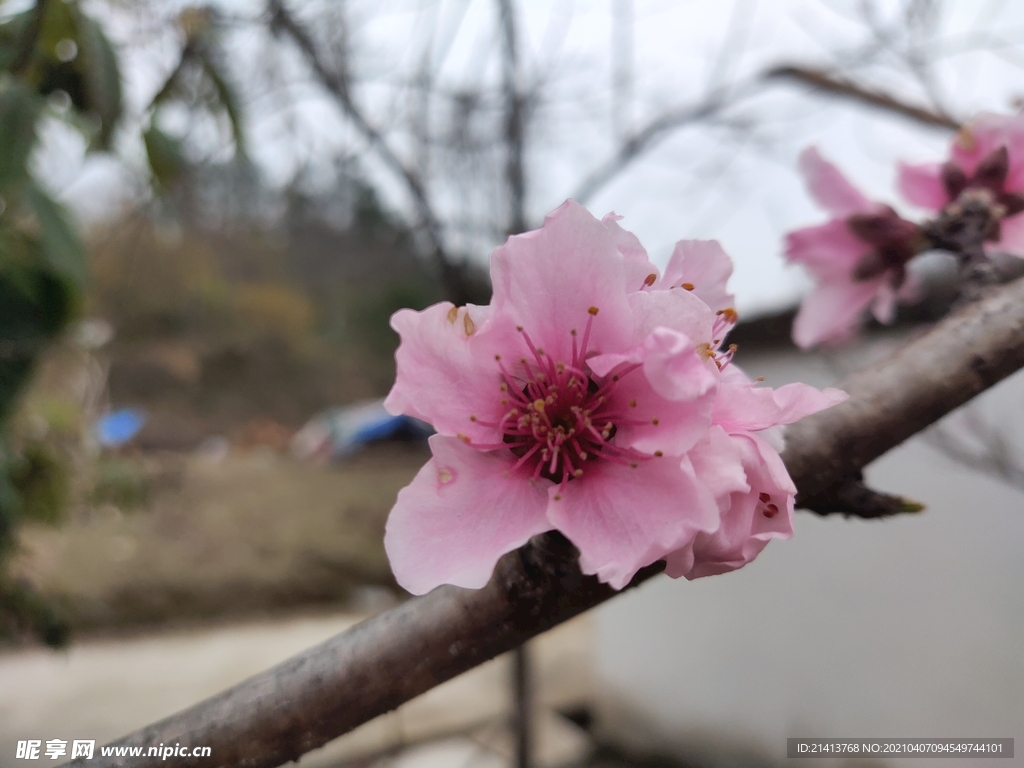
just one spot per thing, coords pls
(340, 432)
(119, 427)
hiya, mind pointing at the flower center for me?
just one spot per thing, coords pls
(561, 418)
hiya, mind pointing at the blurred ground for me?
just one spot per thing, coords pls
(224, 535)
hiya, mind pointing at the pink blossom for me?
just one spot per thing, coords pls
(740, 465)
(576, 402)
(857, 258)
(986, 156)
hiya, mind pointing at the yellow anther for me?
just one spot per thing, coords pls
(468, 324)
(444, 476)
(538, 405)
(593, 310)
(453, 314)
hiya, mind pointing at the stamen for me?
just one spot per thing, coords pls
(586, 335)
(562, 417)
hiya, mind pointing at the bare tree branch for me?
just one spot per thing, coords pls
(835, 86)
(324, 692)
(980, 445)
(719, 99)
(514, 121)
(515, 177)
(337, 84)
(965, 354)
(646, 138)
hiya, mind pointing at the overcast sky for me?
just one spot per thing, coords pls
(733, 182)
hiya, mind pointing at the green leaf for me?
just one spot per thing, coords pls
(19, 114)
(97, 61)
(225, 94)
(35, 305)
(91, 78)
(12, 34)
(202, 56)
(166, 160)
(61, 248)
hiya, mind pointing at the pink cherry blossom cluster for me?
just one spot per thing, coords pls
(593, 396)
(859, 257)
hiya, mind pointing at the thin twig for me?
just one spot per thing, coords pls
(338, 85)
(833, 85)
(723, 97)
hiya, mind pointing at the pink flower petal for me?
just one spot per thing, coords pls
(1012, 236)
(746, 408)
(462, 512)
(718, 461)
(830, 251)
(641, 273)
(705, 268)
(829, 187)
(446, 371)
(548, 280)
(832, 311)
(668, 401)
(623, 518)
(985, 133)
(884, 305)
(922, 185)
(745, 528)
(679, 310)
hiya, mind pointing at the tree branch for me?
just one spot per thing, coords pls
(374, 667)
(658, 129)
(965, 354)
(337, 84)
(646, 138)
(835, 86)
(515, 121)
